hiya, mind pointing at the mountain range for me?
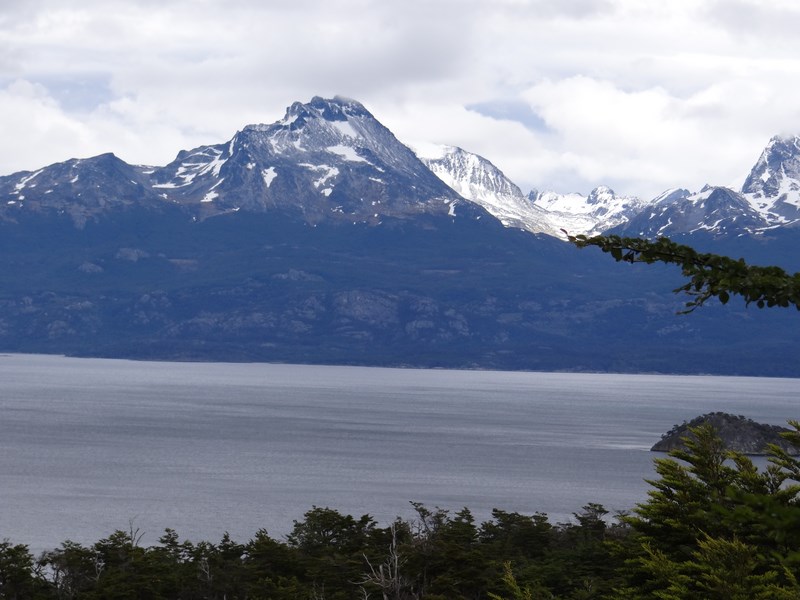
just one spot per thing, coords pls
(769, 198)
(322, 238)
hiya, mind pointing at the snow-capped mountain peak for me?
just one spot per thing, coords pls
(332, 159)
(478, 180)
(713, 210)
(770, 197)
(773, 185)
(601, 210)
(470, 175)
(601, 195)
(328, 158)
(339, 126)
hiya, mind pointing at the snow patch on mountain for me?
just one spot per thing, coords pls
(346, 152)
(207, 161)
(268, 175)
(327, 173)
(346, 129)
(19, 186)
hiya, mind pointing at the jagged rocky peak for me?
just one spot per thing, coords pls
(609, 203)
(773, 185)
(339, 108)
(464, 170)
(779, 160)
(313, 126)
(601, 195)
(478, 180)
(338, 126)
(724, 206)
(295, 117)
(334, 110)
(328, 159)
(714, 210)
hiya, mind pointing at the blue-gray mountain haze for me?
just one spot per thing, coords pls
(323, 239)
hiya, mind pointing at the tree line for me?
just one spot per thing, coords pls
(713, 527)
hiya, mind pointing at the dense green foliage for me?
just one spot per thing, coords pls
(714, 527)
(710, 275)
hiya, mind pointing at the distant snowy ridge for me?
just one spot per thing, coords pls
(769, 198)
(477, 179)
(718, 211)
(600, 211)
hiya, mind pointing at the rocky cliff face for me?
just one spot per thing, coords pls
(738, 433)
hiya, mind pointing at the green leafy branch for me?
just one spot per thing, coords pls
(709, 275)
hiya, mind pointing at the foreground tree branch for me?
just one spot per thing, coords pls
(709, 275)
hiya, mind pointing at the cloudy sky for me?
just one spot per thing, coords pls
(641, 95)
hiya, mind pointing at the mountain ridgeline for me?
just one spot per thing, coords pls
(321, 238)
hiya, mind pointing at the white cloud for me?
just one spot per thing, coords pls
(754, 18)
(635, 94)
(32, 120)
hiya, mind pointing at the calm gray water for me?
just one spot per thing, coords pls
(88, 445)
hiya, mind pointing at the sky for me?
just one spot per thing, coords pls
(562, 95)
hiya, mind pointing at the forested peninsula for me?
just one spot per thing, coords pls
(713, 527)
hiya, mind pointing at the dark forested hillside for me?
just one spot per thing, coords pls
(433, 292)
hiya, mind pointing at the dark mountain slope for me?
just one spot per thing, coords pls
(322, 239)
(434, 292)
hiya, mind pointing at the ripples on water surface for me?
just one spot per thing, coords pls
(88, 444)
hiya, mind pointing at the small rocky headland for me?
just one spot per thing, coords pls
(738, 433)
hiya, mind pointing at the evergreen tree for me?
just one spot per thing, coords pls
(716, 527)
